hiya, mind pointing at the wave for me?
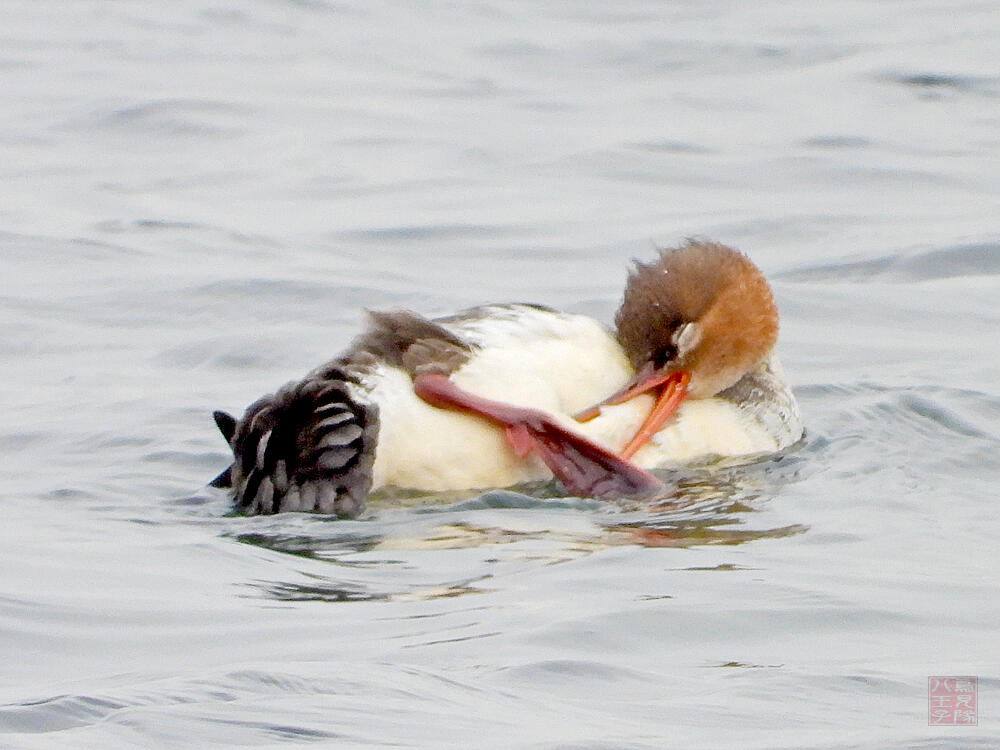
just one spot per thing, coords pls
(976, 259)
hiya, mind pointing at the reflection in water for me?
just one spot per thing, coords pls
(709, 507)
(702, 507)
(309, 546)
(337, 592)
(699, 535)
(342, 155)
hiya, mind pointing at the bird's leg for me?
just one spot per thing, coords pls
(583, 467)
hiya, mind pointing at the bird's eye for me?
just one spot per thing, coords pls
(664, 355)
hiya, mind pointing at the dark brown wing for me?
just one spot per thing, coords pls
(404, 339)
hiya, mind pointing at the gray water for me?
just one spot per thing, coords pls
(198, 198)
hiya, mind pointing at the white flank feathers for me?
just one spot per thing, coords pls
(558, 363)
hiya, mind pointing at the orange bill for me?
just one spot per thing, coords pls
(646, 379)
(673, 392)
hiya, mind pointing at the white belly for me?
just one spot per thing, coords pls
(559, 364)
(698, 430)
(422, 447)
(767, 421)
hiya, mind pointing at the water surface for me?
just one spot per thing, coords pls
(199, 198)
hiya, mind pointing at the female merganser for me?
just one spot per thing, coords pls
(487, 398)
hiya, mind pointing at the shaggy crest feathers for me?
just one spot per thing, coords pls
(702, 307)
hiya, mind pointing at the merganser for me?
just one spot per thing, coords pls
(505, 394)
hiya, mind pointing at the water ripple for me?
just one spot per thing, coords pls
(932, 83)
(979, 259)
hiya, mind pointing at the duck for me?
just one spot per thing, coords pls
(504, 394)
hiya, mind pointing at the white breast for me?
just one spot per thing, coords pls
(561, 364)
(551, 361)
(759, 417)
(422, 447)
(556, 362)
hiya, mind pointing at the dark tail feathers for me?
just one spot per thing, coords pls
(308, 447)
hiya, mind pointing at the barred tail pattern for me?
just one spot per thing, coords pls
(308, 447)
